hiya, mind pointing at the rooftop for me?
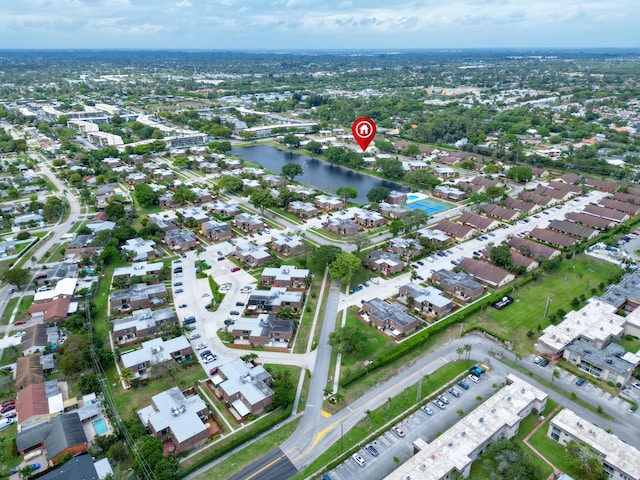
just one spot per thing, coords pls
(154, 351)
(244, 378)
(285, 272)
(395, 311)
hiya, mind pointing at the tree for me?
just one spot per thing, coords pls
(467, 348)
(23, 235)
(421, 179)
(75, 358)
(291, 171)
(344, 266)
(395, 226)
(378, 194)
(494, 192)
(283, 387)
(184, 194)
(390, 168)
(520, 173)
(290, 140)
(384, 146)
(114, 210)
(321, 257)
(126, 375)
(53, 209)
(347, 340)
(506, 459)
(314, 147)
(345, 193)
(459, 351)
(16, 276)
(145, 195)
(360, 240)
(286, 313)
(491, 168)
(501, 256)
(262, 199)
(230, 183)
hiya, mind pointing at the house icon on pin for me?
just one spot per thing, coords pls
(364, 129)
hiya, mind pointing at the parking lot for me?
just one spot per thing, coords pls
(417, 424)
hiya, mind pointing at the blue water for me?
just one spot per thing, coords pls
(427, 206)
(89, 271)
(100, 426)
(412, 197)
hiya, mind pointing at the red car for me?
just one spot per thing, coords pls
(6, 408)
(8, 402)
(235, 269)
(20, 322)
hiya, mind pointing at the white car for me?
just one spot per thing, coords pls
(19, 334)
(375, 281)
(358, 459)
(201, 346)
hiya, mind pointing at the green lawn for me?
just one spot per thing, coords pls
(570, 280)
(8, 310)
(630, 343)
(8, 457)
(374, 340)
(304, 327)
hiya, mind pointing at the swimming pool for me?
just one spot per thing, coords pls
(100, 426)
(413, 197)
(428, 206)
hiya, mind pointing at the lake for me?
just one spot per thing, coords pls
(318, 174)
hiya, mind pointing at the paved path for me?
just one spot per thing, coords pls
(556, 470)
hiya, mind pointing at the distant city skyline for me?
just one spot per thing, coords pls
(318, 24)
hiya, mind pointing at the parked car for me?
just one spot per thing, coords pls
(177, 284)
(235, 269)
(239, 304)
(183, 255)
(439, 404)
(201, 346)
(195, 336)
(205, 353)
(464, 385)
(33, 466)
(358, 459)
(443, 399)
(229, 321)
(8, 402)
(372, 450)
(537, 359)
(544, 362)
(180, 290)
(426, 410)
(182, 305)
(220, 259)
(7, 408)
(398, 431)
(420, 277)
(454, 392)
(473, 378)
(375, 281)
(234, 312)
(420, 262)
(580, 382)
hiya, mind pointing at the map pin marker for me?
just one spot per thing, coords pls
(363, 129)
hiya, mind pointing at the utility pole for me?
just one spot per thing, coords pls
(546, 308)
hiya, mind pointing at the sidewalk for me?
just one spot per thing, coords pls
(556, 471)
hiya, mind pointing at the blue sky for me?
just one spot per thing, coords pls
(319, 24)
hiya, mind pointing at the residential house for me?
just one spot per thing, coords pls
(397, 198)
(606, 213)
(602, 185)
(248, 223)
(502, 213)
(479, 222)
(141, 324)
(166, 200)
(286, 276)
(342, 227)
(391, 318)
(32, 405)
(135, 178)
(29, 370)
(573, 229)
(251, 254)
(51, 311)
(194, 216)
(533, 249)
(162, 221)
(520, 205)
(123, 275)
(484, 272)
(245, 387)
(179, 240)
(449, 192)
(138, 296)
(140, 250)
(35, 339)
(527, 262)
(327, 203)
(202, 195)
(625, 207)
(225, 209)
(553, 238)
(286, 244)
(216, 231)
(369, 219)
(265, 330)
(58, 436)
(303, 209)
(612, 363)
(156, 351)
(179, 421)
(627, 197)
(541, 200)
(619, 460)
(428, 301)
(390, 210)
(438, 238)
(386, 263)
(458, 232)
(406, 247)
(591, 220)
(271, 301)
(82, 467)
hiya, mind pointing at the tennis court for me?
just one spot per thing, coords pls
(428, 206)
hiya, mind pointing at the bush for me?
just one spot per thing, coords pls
(23, 235)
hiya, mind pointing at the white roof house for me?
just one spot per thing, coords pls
(64, 288)
(154, 351)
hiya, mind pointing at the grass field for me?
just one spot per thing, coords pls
(571, 279)
(375, 340)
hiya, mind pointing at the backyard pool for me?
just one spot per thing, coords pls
(100, 426)
(413, 197)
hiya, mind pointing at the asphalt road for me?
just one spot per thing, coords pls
(274, 465)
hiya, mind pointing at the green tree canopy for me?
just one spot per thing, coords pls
(345, 193)
(291, 171)
(314, 147)
(291, 140)
(378, 194)
(520, 173)
(421, 179)
(184, 194)
(230, 183)
(344, 266)
(501, 256)
(16, 276)
(321, 257)
(145, 195)
(347, 340)
(262, 199)
(114, 210)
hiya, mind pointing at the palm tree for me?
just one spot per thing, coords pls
(467, 348)
(338, 397)
(126, 375)
(459, 351)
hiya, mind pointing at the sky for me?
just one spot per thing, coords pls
(318, 24)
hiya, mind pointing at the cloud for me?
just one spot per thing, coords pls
(184, 4)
